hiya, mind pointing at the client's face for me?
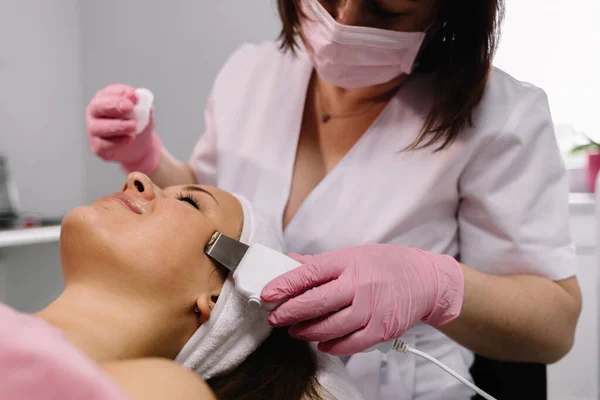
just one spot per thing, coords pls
(148, 243)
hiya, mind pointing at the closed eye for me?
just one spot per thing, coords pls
(188, 199)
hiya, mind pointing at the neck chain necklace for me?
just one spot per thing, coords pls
(325, 116)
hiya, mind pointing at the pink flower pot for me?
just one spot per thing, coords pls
(592, 171)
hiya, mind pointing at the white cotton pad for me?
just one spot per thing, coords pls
(141, 111)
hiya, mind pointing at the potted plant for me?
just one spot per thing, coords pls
(592, 149)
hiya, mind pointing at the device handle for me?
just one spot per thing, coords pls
(259, 266)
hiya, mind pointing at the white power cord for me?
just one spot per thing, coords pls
(403, 347)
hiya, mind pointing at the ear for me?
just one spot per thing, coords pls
(205, 304)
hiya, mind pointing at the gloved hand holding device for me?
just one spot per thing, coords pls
(354, 298)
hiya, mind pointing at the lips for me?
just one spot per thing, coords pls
(127, 202)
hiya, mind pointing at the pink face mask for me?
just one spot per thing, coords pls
(356, 56)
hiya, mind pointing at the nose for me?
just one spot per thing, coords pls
(140, 185)
(349, 12)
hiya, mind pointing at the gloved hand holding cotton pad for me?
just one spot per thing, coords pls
(141, 111)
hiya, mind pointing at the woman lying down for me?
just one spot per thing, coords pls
(140, 293)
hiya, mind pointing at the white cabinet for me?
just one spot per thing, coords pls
(30, 273)
(577, 376)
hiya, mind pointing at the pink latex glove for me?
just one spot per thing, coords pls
(354, 298)
(112, 136)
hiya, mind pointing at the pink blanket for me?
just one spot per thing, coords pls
(37, 362)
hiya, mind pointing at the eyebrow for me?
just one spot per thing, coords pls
(192, 188)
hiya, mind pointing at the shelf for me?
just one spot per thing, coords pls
(582, 204)
(27, 236)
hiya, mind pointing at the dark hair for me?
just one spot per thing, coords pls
(282, 368)
(460, 55)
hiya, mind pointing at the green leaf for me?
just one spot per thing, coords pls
(590, 139)
(585, 147)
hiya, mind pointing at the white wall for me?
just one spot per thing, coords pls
(175, 50)
(55, 54)
(41, 103)
(555, 44)
(41, 132)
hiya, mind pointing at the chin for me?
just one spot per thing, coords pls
(88, 221)
(77, 219)
(84, 235)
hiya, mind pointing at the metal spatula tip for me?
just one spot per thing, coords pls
(226, 251)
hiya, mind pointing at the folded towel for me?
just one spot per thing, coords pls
(234, 330)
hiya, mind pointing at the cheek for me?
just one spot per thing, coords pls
(92, 228)
(160, 256)
(164, 263)
(172, 240)
(163, 241)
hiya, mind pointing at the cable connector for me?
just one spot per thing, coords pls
(400, 346)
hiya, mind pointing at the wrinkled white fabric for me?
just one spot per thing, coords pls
(497, 198)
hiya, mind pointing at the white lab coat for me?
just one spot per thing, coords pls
(497, 199)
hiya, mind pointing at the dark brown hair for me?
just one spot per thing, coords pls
(460, 55)
(282, 368)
